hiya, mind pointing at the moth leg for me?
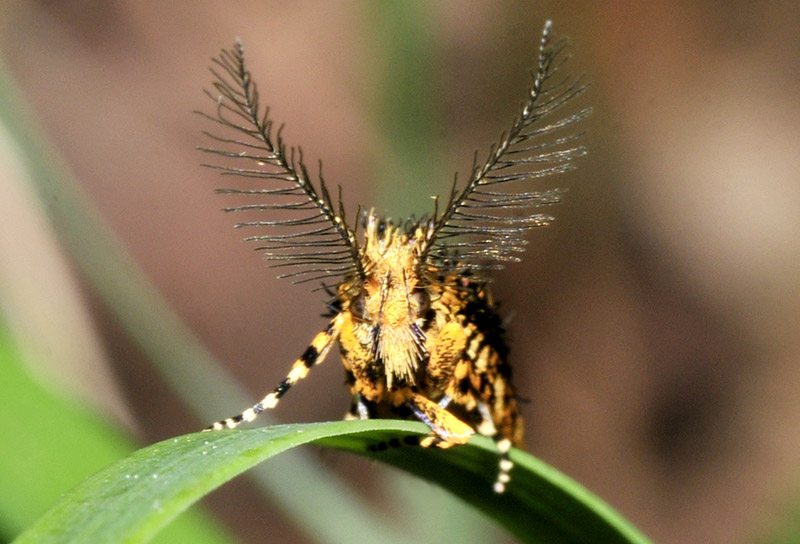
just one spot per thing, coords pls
(504, 466)
(314, 354)
(360, 408)
(464, 390)
(486, 427)
(447, 429)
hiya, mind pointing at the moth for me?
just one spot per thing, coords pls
(411, 309)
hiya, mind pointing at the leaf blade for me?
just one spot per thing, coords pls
(131, 500)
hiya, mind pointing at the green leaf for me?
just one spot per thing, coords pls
(131, 500)
(50, 444)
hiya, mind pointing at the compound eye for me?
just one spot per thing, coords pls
(421, 302)
(358, 307)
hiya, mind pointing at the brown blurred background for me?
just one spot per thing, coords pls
(654, 326)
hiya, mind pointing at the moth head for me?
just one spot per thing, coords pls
(390, 304)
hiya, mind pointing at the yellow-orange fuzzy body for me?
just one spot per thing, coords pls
(410, 337)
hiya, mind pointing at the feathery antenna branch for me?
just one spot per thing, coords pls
(318, 242)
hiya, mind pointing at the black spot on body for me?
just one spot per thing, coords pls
(504, 369)
(372, 373)
(464, 385)
(487, 323)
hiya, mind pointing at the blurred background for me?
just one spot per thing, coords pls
(655, 326)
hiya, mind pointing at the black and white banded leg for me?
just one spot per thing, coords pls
(314, 354)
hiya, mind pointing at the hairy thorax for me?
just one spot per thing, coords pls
(386, 336)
